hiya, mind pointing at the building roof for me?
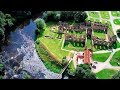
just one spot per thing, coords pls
(87, 56)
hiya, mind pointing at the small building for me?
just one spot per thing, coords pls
(87, 56)
(82, 57)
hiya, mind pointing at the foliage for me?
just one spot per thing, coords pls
(6, 20)
(67, 15)
(77, 16)
(40, 26)
(80, 16)
(116, 75)
(47, 59)
(51, 16)
(83, 71)
(1, 32)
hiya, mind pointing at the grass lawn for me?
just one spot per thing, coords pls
(71, 47)
(105, 74)
(110, 26)
(88, 43)
(100, 35)
(113, 61)
(91, 19)
(115, 13)
(94, 14)
(96, 20)
(77, 33)
(53, 45)
(71, 67)
(102, 57)
(118, 45)
(117, 21)
(105, 14)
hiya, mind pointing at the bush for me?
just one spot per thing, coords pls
(67, 15)
(51, 16)
(40, 24)
(80, 16)
(40, 27)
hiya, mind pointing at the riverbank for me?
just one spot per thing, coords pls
(48, 60)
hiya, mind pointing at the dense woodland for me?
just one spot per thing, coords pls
(10, 19)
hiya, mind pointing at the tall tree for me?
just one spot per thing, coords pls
(83, 71)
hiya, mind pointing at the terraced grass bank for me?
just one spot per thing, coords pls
(47, 59)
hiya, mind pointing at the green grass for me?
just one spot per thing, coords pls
(93, 14)
(71, 47)
(115, 13)
(77, 33)
(88, 43)
(96, 20)
(116, 21)
(105, 14)
(99, 35)
(102, 57)
(105, 74)
(113, 61)
(48, 60)
(53, 45)
(71, 67)
(118, 45)
(93, 19)
(110, 26)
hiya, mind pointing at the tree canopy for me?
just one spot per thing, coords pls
(6, 20)
(83, 71)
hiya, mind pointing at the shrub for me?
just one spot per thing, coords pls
(80, 16)
(40, 27)
(51, 16)
(40, 24)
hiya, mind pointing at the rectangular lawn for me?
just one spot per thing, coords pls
(105, 74)
(93, 14)
(99, 35)
(102, 57)
(105, 14)
(114, 61)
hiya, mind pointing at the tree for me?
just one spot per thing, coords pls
(80, 16)
(40, 26)
(9, 20)
(116, 76)
(83, 71)
(51, 16)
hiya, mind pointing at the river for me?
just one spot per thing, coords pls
(19, 56)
